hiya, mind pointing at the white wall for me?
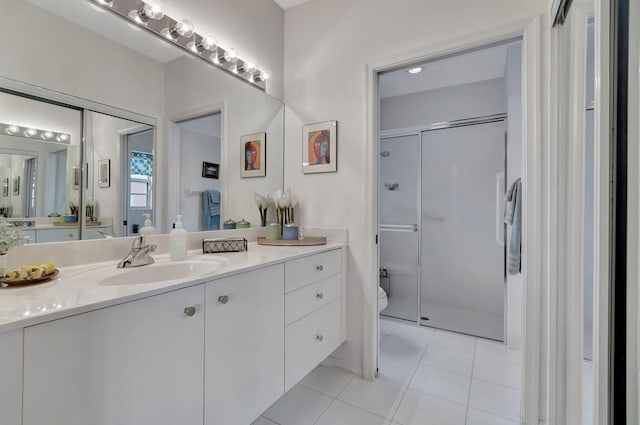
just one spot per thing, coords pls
(325, 79)
(444, 104)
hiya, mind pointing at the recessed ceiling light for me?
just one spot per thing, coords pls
(415, 70)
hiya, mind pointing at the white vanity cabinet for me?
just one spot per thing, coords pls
(217, 353)
(11, 377)
(313, 305)
(244, 345)
(135, 363)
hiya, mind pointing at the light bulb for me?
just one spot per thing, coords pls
(265, 74)
(47, 135)
(214, 58)
(105, 2)
(62, 137)
(247, 66)
(209, 42)
(415, 70)
(184, 27)
(153, 9)
(230, 55)
(12, 129)
(30, 132)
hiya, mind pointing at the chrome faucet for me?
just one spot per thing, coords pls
(139, 254)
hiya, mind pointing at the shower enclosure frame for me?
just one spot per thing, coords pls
(418, 131)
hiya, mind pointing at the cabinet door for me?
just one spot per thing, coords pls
(131, 364)
(244, 346)
(11, 377)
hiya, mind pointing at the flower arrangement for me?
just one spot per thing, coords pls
(10, 236)
(73, 207)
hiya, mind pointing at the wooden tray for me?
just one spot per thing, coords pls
(5, 282)
(307, 241)
(76, 223)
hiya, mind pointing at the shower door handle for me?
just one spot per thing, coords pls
(499, 206)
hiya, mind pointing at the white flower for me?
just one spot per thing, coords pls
(294, 201)
(277, 198)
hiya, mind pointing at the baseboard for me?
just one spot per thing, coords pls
(336, 362)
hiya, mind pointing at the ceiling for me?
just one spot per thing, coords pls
(288, 4)
(95, 19)
(480, 65)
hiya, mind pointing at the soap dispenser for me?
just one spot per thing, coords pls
(178, 241)
(148, 228)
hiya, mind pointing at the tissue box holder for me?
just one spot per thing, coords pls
(210, 246)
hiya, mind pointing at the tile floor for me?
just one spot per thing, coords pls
(426, 377)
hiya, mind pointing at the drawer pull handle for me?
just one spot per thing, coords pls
(319, 338)
(319, 295)
(319, 268)
(223, 299)
(189, 311)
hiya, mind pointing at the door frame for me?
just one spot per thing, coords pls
(536, 246)
(125, 187)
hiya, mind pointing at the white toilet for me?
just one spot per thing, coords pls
(383, 301)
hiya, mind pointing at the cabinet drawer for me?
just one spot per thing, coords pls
(307, 270)
(309, 341)
(303, 301)
(56, 235)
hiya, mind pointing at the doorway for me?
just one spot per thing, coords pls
(450, 148)
(137, 180)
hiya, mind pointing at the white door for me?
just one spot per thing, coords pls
(135, 363)
(462, 249)
(244, 345)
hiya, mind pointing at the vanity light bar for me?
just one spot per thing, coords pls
(35, 133)
(150, 16)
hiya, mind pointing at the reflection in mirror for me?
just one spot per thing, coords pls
(101, 63)
(39, 151)
(119, 154)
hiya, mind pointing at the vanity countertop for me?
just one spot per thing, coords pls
(76, 289)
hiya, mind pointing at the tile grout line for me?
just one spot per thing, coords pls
(473, 364)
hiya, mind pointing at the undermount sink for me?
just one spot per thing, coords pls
(161, 272)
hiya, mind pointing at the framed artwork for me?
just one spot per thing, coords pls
(254, 152)
(104, 173)
(16, 186)
(319, 153)
(77, 177)
(210, 170)
(5, 187)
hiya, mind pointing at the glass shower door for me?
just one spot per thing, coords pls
(462, 248)
(399, 241)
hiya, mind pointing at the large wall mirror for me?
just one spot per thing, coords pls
(149, 129)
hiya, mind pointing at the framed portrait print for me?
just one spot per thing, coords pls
(253, 155)
(210, 170)
(104, 173)
(319, 153)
